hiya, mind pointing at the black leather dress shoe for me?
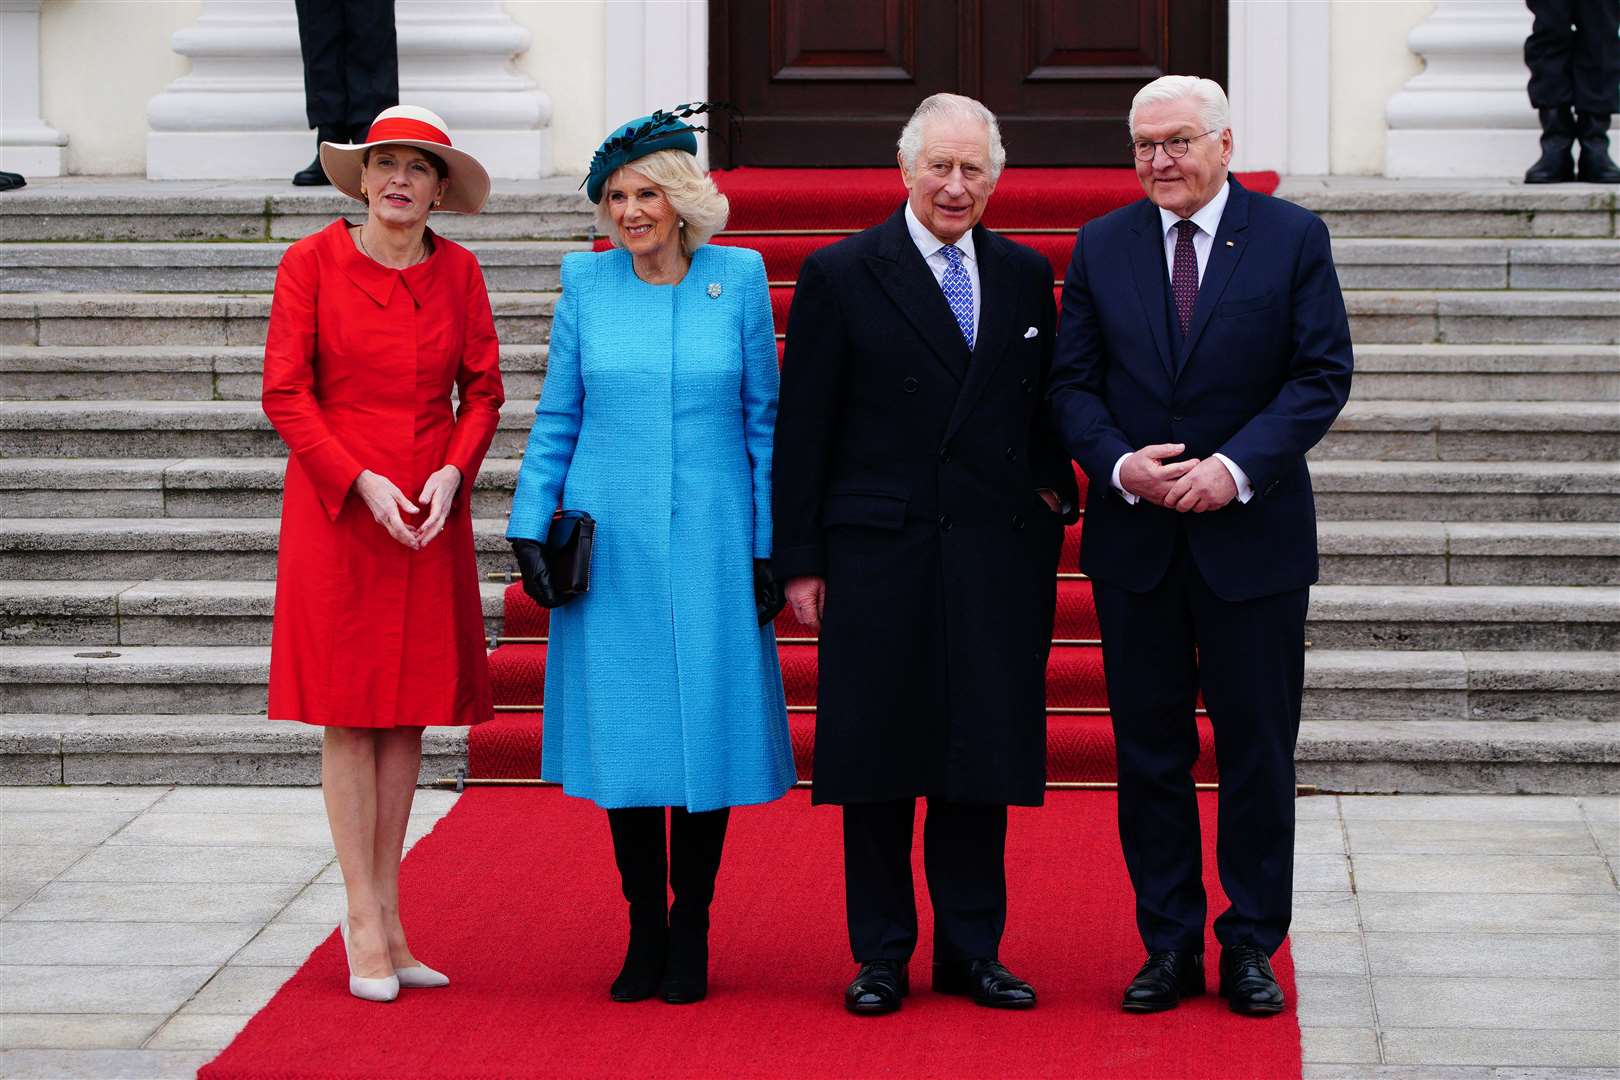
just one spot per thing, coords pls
(1247, 982)
(877, 988)
(1164, 980)
(312, 175)
(987, 982)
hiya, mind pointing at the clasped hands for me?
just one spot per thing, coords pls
(386, 501)
(1190, 486)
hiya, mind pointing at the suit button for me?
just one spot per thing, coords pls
(1025, 385)
(910, 384)
(1012, 453)
(945, 455)
(944, 523)
(1177, 418)
(1018, 521)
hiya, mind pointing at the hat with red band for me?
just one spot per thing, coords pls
(409, 125)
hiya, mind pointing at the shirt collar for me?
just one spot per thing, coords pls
(928, 243)
(1208, 219)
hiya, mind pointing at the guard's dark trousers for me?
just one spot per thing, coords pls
(1574, 68)
(1160, 648)
(351, 62)
(963, 855)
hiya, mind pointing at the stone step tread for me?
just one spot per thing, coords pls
(1601, 251)
(1390, 415)
(1447, 194)
(1324, 668)
(221, 359)
(1486, 359)
(77, 305)
(264, 253)
(166, 598)
(1489, 303)
(136, 195)
(1446, 477)
(1319, 740)
(1429, 603)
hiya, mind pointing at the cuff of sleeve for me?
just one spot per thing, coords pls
(1114, 479)
(332, 470)
(1245, 490)
(807, 560)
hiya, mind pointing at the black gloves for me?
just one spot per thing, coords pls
(536, 577)
(768, 597)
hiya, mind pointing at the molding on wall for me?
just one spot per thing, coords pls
(657, 56)
(28, 145)
(1279, 67)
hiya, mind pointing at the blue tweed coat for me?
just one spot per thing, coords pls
(657, 418)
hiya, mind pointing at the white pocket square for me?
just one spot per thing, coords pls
(1029, 333)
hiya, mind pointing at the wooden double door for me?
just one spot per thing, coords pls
(830, 82)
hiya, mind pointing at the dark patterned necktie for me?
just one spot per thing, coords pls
(1184, 274)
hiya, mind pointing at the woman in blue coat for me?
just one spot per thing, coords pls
(662, 683)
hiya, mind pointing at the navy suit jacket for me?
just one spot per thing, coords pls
(1260, 375)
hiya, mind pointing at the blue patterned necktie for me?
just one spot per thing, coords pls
(958, 291)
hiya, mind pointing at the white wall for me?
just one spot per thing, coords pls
(567, 57)
(101, 61)
(1370, 63)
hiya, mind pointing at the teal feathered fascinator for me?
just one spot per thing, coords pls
(663, 130)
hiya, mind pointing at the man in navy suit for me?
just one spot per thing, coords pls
(1203, 349)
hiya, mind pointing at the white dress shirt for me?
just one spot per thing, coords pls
(1208, 220)
(930, 246)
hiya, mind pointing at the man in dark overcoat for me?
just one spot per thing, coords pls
(1204, 350)
(919, 503)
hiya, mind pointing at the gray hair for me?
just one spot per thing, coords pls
(1213, 111)
(691, 194)
(940, 106)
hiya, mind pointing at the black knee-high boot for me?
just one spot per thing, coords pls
(638, 848)
(695, 844)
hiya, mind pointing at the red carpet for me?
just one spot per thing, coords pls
(515, 896)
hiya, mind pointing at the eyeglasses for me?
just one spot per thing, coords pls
(1175, 147)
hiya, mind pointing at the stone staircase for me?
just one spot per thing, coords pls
(1466, 634)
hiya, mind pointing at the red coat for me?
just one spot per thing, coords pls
(358, 368)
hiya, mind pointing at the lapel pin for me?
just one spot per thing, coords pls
(1230, 244)
(714, 290)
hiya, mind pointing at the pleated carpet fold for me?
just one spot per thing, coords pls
(514, 895)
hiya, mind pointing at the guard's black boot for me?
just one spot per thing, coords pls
(695, 844)
(1557, 163)
(312, 175)
(638, 848)
(1597, 167)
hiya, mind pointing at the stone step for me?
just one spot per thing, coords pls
(125, 319)
(1352, 552)
(1482, 373)
(100, 209)
(1379, 430)
(1374, 207)
(1460, 491)
(1561, 431)
(1346, 490)
(182, 372)
(1467, 263)
(156, 612)
(508, 265)
(131, 613)
(1352, 685)
(1474, 317)
(173, 549)
(1432, 756)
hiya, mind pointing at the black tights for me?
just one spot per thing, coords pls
(690, 866)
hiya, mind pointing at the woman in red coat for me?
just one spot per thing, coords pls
(379, 631)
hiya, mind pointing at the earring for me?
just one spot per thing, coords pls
(680, 223)
(436, 202)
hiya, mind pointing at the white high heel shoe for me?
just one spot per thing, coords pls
(421, 977)
(384, 989)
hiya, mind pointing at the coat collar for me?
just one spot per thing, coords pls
(996, 311)
(376, 280)
(900, 270)
(1224, 255)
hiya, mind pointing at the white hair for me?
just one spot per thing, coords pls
(1213, 111)
(691, 194)
(941, 106)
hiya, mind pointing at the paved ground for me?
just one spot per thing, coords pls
(1447, 937)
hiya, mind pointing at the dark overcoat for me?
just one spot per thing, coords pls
(906, 475)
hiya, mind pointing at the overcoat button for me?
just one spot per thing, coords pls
(944, 523)
(1025, 385)
(910, 384)
(945, 456)
(1012, 453)
(1018, 521)
(1176, 418)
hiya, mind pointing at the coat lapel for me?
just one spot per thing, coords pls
(995, 313)
(900, 270)
(370, 277)
(1224, 256)
(1148, 274)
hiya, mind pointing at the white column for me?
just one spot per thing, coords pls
(657, 56)
(1278, 83)
(240, 112)
(1468, 113)
(28, 145)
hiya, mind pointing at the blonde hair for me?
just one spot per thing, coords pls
(691, 193)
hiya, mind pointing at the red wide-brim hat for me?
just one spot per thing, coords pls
(409, 125)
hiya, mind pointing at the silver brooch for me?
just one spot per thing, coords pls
(714, 290)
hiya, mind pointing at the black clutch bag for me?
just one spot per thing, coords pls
(567, 552)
